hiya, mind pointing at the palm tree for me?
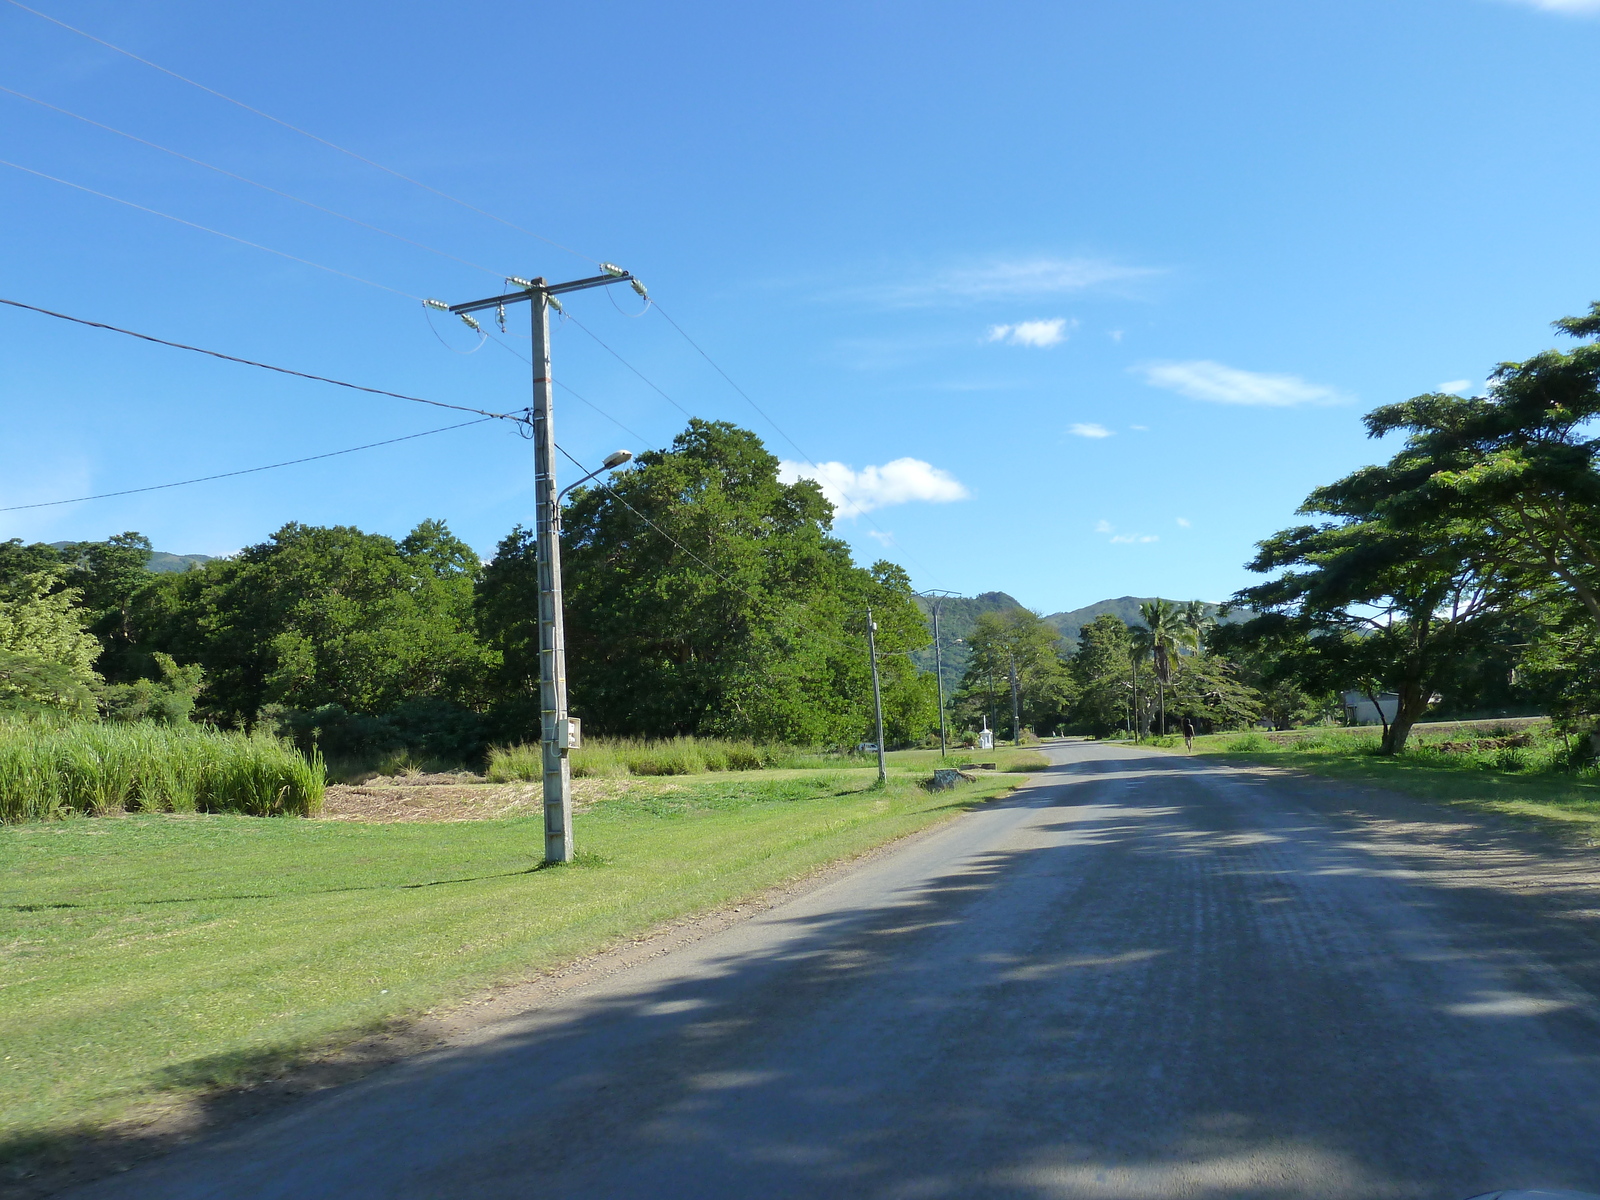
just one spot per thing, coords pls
(1166, 632)
(1197, 617)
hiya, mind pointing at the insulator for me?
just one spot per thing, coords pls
(476, 328)
(612, 269)
(526, 284)
(638, 287)
(439, 304)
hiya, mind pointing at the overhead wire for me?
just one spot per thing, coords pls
(512, 350)
(245, 179)
(759, 600)
(860, 510)
(302, 132)
(207, 229)
(249, 362)
(247, 470)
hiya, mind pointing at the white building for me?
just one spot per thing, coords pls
(1360, 710)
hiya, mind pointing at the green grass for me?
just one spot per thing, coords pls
(53, 770)
(615, 757)
(1468, 766)
(150, 958)
(1005, 758)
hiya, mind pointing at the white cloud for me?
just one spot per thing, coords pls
(1124, 539)
(1140, 428)
(1089, 430)
(1008, 279)
(1457, 386)
(1183, 522)
(1032, 333)
(899, 482)
(1219, 384)
(1564, 6)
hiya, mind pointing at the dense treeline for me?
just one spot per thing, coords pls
(704, 597)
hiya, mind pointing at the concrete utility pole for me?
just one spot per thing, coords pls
(557, 732)
(1016, 706)
(938, 598)
(877, 692)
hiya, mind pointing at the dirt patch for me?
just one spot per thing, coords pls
(452, 798)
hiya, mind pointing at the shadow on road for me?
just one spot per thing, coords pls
(1160, 979)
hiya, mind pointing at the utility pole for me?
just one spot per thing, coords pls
(1016, 707)
(1136, 719)
(937, 598)
(877, 692)
(557, 733)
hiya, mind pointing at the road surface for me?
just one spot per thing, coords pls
(1141, 976)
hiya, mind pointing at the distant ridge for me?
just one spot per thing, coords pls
(958, 615)
(161, 562)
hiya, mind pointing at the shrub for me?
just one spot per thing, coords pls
(612, 757)
(50, 770)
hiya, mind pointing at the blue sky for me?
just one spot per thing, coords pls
(1079, 300)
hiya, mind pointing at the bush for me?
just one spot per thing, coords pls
(612, 757)
(54, 770)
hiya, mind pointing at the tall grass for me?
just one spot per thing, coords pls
(615, 757)
(55, 770)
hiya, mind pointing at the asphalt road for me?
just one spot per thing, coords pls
(1142, 976)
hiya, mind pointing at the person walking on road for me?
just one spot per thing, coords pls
(1188, 735)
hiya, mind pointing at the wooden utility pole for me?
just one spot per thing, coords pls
(557, 732)
(877, 692)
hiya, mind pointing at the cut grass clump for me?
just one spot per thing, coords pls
(600, 758)
(85, 768)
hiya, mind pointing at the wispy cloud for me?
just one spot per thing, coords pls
(899, 482)
(1574, 7)
(1009, 279)
(1455, 385)
(1219, 384)
(1183, 522)
(1032, 333)
(1123, 539)
(1089, 430)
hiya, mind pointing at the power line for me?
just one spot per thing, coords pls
(631, 367)
(302, 132)
(512, 350)
(860, 509)
(244, 179)
(246, 471)
(252, 363)
(206, 228)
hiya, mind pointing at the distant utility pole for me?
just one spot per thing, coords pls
(557, 732)
(937, 599)
(1016, 706)
(877, 692)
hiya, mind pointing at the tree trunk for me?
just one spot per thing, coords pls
(1413, 704)
(1162, 689)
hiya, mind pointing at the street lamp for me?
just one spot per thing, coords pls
(614, 459)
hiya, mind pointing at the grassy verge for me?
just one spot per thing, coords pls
(157, 958)
(1519, 772)
(601, 758)
(1006, 758)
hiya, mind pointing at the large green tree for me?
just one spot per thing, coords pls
(1102, 669)
(319, 616)
(46, 656)
(706, 596)
(1016, 643)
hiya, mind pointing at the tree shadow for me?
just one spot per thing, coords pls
(1158, 980)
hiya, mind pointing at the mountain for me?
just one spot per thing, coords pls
(958, 614)
(1125, 608)
(161, 562)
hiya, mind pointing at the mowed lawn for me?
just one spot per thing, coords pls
(149, 958)
(1566, 801)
